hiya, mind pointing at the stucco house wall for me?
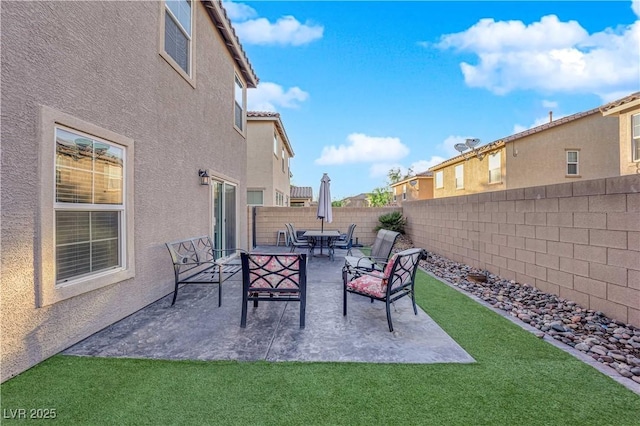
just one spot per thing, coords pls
(625, 109)
(99, 65)
(264, 166)
(540, 158)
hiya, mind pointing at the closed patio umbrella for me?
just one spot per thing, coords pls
(324, 201)
(324, 204)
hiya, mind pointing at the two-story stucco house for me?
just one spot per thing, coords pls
(268, 160)
(581, 146)
(111, 114)
(628, 112)
(412, 188)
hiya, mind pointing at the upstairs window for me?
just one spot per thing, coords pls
(635, 138)
(239, 104)
(404, 191)
(572, 163)
(495, 174)
(275, 145)
(283, 160)
(459, 176)
(177, 32)
(439, 179)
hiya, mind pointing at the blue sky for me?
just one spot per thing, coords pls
(363, 87)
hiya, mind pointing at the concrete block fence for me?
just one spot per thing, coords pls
(578, 240)
(269, 220)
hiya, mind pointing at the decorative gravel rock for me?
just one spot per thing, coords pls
(606, 340)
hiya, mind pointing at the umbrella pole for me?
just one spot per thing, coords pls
(321, 230)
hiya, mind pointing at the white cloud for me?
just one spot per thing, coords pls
(239, 11)
(635, 6)
(549, 104)
(268, 96)
(286, 30)
(361, 148)
(549, 55)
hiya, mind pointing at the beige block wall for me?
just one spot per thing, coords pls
(130, 90)
(269, 220)
(578, 240)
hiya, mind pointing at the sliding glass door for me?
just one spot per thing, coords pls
(223, 220)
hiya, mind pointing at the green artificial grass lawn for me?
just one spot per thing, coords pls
(518, 379)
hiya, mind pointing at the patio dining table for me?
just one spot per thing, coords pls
(318, 236)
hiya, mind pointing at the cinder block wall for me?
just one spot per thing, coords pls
(578, 240)
(269, 220)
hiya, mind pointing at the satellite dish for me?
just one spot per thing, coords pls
(472, 143)
(460, 147)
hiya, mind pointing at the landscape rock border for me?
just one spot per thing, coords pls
(608, 345)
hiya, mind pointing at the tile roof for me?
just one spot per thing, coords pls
(221, 20)
(301, 192)
(619, 102)
(262, 114)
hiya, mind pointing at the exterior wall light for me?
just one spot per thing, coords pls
(204, 177)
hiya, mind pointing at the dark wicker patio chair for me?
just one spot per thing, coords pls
(274, 277)
(396, 281)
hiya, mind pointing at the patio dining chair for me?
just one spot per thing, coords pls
(273, 277)
(377, 260)
(345, 242)
(295, 241)
(396, 281)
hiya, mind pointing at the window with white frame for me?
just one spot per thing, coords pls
(635, 137)
(495, 173)
(275, 145)
(255, 197)
(572, 163)
(439, 179)
(404, 191)
(177, 32)
(89, 205)
(459, 172)
(239, 104)
(85, 208)
(279, 198)
(282, 159)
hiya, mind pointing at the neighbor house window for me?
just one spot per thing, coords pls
(404, 191)
(255, 197)
(635, 142)
(495, 174)
(239, 103)
(572, 163)
(177, 32)
(89, 205)
(282, 159)
(439, 179)
(279, 198)
(459, 176)
(275, 145)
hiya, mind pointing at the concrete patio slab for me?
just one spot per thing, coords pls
(196, 328)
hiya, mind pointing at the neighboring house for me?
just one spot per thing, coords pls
(301, 196)
(268, 160)
(579, 146)
(112, 112)
(360, 200)
(417, 187)
(628, 112)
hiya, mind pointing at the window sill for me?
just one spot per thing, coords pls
(188, 78)
(572, 176)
